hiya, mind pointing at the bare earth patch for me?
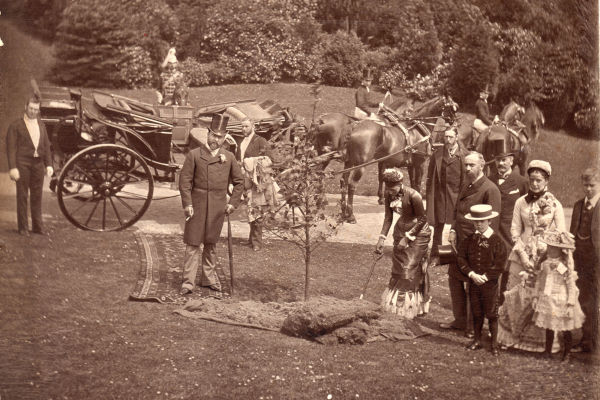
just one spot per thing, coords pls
(325, 319)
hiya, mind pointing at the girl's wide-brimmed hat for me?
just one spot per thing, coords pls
(480, 212)
(541, 165)
(555, 238)
(392, 175)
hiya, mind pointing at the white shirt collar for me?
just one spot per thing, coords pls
(488, 232)
(213, 152)
(593, 200)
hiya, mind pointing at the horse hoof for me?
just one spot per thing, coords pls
(381, 201)
(351, 219)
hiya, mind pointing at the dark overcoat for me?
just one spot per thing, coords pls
(257, 147)
(444, 180)
(363, 102)
(19, 146)
(514, 186)
(203, 184)
(482, 191)
(595, 232)
(482, 111)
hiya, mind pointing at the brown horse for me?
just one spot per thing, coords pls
(519, 135)
(369, 140)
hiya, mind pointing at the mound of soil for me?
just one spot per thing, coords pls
(326, 320)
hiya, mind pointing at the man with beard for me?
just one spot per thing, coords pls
(512, 185)
(251, 146)
(477, 189)
(444, 179)
(203, 182)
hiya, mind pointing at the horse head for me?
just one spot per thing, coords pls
(512, 112)
(533, 119)
(449, 109)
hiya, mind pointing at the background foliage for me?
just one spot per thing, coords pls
(540, 50)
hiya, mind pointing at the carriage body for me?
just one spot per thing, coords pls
(109, 150)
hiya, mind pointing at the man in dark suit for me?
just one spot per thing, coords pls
(483, 118)
(477, 189)
(203, 183)
(512, 185)
(585, 225)
(364, 106)
(252, 145)
(444, 179)
(29, 158)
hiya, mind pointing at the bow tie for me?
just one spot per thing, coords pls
(531, 196)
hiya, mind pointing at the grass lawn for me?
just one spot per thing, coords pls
(67, 330)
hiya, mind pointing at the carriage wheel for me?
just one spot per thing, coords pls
(113, 184)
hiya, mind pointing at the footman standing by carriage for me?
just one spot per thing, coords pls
(407, 292)
(203, 182)
(29, 158)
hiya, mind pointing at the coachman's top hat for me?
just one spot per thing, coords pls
(499, 149)
(218, 125)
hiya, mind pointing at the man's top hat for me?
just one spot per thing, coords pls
(499, 149)
(485, 89)
(367, 75)
(218, 125)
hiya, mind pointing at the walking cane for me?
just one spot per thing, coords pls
(376, 257)
(230, 248)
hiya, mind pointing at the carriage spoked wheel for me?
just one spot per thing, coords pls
(114, 188)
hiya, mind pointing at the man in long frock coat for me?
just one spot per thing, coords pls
(476, 189)
(203, 183)
(444, 179)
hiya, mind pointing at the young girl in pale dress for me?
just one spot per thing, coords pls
(557, 308)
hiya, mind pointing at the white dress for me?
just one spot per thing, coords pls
(515, 317)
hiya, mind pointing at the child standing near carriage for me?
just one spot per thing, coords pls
(481, 257)
(557, 307)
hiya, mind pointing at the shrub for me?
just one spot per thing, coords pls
(135, 69)
(393, 78)
(341, 56)
(259, 40)
(97, 38)
(475, 65)
(194, 72)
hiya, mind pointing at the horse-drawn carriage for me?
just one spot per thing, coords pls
(109, 150)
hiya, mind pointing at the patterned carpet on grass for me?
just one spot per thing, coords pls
(161, 271)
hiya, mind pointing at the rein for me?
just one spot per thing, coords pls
(406, 149)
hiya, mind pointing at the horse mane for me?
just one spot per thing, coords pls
(426, 108)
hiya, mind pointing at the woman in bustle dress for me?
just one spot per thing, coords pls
(534, 214)
(407, 292)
